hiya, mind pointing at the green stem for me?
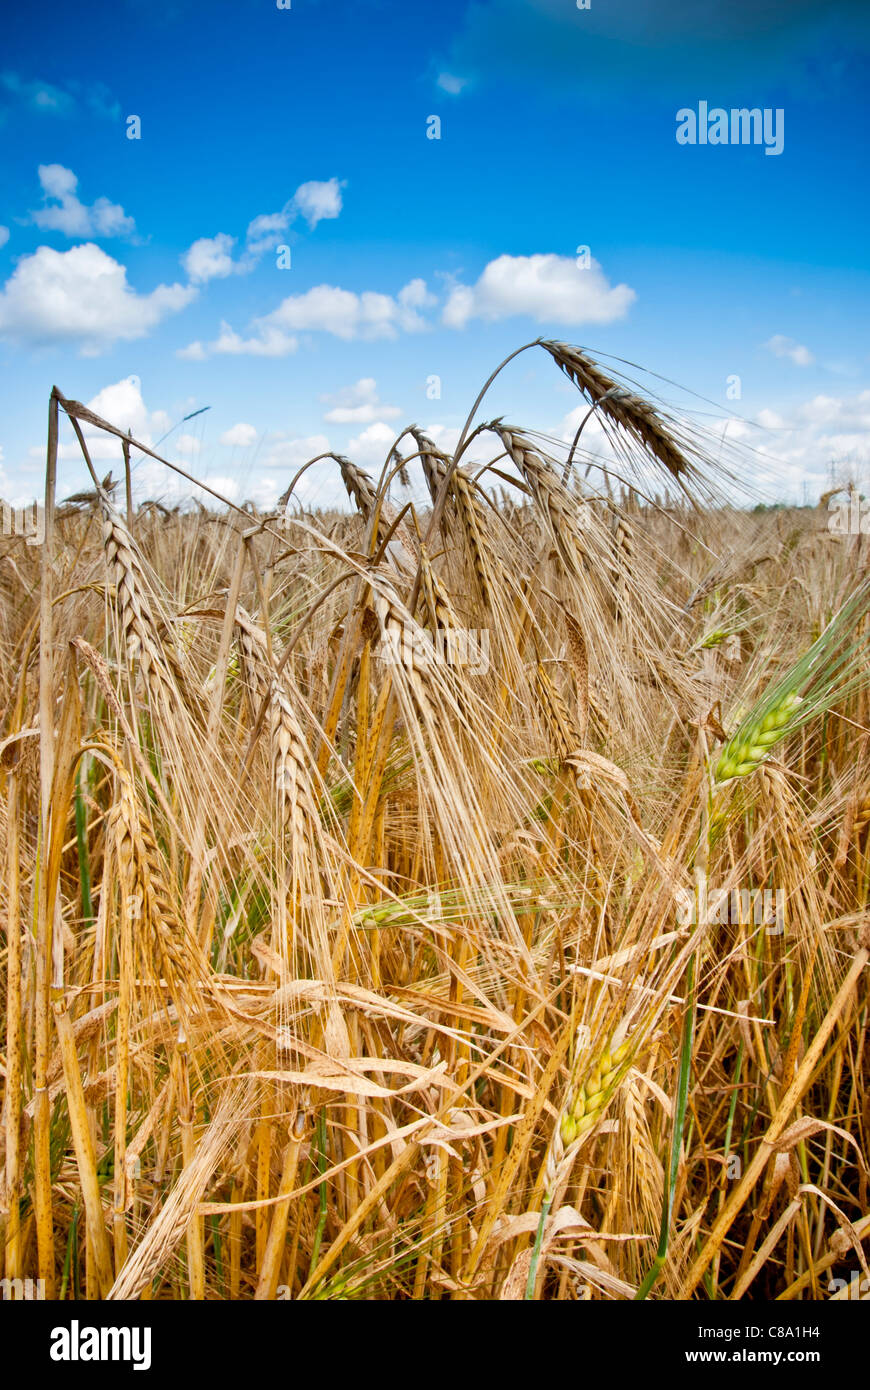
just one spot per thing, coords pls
(321, 1168)
(536, 1251)
(657, 1265)
(84, 863)
(67, 1259)
(726, 1152)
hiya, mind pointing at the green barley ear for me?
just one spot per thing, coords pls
(833, 668)
(750, 744)
(584, 1107)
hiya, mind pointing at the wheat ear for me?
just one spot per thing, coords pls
(623, 408)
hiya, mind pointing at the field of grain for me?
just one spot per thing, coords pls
(459, 900)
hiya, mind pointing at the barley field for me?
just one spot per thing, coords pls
(461, 898)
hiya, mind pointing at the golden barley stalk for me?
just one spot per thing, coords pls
(139, 628)
(358, 485)
(149, 900)
(628, 411)
(862, 816)
(437, 610)
(567, 521)
(469, 512)
(565, 735)
(296, 800)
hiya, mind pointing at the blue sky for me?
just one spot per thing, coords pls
(142, 275)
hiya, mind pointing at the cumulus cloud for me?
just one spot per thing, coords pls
(320, 485)
(210, 258)
(323, 309)
(81, 295)
(770, 420)
(240, 436)
(38, 96)
(800, 443)
(4, 235)
(318, 201)
(64, 212)
(594, 438)
(781, 346)
(265, 232)
(187, 445)
(547, 288)
(345, 314)
(194, 352)
(449, 82)
(315, 201)
(71, 98)
(268, 341)
(370, 448)
(358, 404)
(120, 403)
(283, 452)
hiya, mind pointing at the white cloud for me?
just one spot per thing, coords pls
(81, 295)
(415, 296)
(594, 438)
(771, 420)
(263, 491)
(370, 448)
(449, 82)
(268, 342)
(323, 309)
(345, 314)
(547, 288)
(290, 454)
(120, 404)
(194, 352)
(320, 486)
(318, 201)
(240, 436)
(315, 201)
(265, 232)
(64, 212)
(210, 258)
(152, 479)
(781, 346)
(781, 449)
(358, 405)
(39, 96)
(45, 98)
(798, 444)
(222, 483)
(4, 235)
